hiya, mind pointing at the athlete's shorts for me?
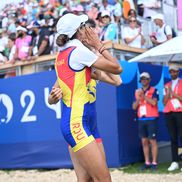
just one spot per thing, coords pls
(75, 126)
(148, 129)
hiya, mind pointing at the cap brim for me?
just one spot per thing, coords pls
(83, 18)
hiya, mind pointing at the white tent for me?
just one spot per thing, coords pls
(166, 52)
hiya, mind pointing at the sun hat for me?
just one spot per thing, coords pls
(69, 24)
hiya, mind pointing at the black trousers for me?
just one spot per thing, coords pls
(174, 125)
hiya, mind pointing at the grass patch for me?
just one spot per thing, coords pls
(162, 169)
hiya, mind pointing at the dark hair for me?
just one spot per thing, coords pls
(62, 40)
(90, 23)
(12, 36)
(130, 11)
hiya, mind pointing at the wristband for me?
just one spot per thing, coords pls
(103, 50)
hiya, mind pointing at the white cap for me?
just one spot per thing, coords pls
(105, 13)
(69, 23)
(145, 74)
(20, 28)
(158, 16)
(173, 67)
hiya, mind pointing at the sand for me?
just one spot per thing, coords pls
(64, 175)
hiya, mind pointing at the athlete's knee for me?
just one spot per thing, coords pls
(84, 178)
(103, 177)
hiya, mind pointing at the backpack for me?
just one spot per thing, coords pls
(173, 32)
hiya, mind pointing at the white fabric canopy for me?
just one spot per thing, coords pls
(168, 51)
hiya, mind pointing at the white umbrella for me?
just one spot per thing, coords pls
(166, 52)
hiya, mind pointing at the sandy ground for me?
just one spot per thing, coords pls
(69, 176)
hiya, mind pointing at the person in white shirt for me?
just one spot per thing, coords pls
(12, 48)
(3, 59)
(133, 35)
(151, 8)
(163, 33)
(106, 7)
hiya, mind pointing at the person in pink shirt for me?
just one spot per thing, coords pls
(22, 44)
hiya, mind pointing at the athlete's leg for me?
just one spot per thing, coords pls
(91, 159)
(81, 173)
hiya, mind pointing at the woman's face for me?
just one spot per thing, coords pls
(10, 43)
(132, 22)
(105, 20)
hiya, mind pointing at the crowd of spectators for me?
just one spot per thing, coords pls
(27, 29)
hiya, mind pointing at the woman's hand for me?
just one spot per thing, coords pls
(91, 39)
(55, 95)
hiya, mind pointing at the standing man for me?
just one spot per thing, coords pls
(173, 113)
(147, 113)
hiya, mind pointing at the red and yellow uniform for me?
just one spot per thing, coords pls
(76, 101)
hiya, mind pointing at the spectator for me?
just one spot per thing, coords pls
(117, 20)
(163, 33)
(151, 8)
(147, 113)
(35, 28)
(106, 7)
(3, 59)
(5, 20)
(22, 44)
(132, 13)
(133, 35)
(12, 48)
(173, 113)
(78, 10)
(3, 38)
(12, 26)
(109, 30)
(93, 12)
(40, 44)
(140, 7)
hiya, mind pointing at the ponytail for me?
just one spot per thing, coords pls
(62, 40)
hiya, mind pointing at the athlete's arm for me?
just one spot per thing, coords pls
(55, 95)
(106, 77)
(105, 62)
